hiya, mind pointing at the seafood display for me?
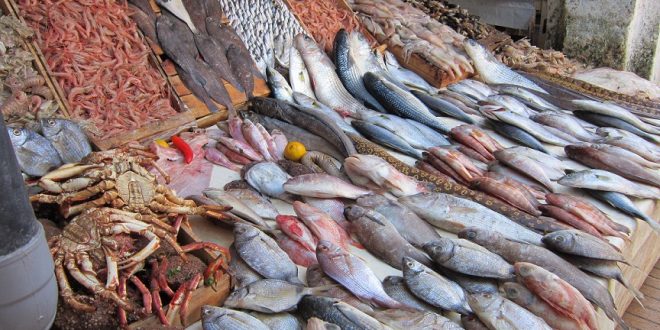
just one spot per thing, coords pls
(522, 55)
(454, 16)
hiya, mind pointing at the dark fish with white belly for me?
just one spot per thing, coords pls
(218, 318)
(442, 107)
(67, 138)
(36, 156)
(385, 138)
(177, 8)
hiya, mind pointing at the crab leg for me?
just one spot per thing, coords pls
(146, 296)
(91, 283)
(65, 288)
(162, 280)
(123, 322)
(161, 171)
(88, 192)
(69, 210)
(112, 278)
(155, 298)
(170, 196)
(215, 264)
(192, 285)
(177, 223)
(177, 299)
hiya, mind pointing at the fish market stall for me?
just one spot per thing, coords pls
(341, 164)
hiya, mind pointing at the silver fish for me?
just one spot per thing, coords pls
(467, 90)
(407, 77)
(317, 324)
(528, 98)
(625, 153)
(453, 214)
(218, 318)
(237, 206)
(414, 320)
(525, 165)
(177, 8)
(241, 273)
(579, 243)
(520, 295)
(399, 126)
(279, 321)
(270, 296)
(526, 124)
(510, 103)
(434, 137)
(630, 141)
(323, 185)
(259, 204)
(608, 181)
(385, 138)
(478, 86)
(494, 72)
(565, 123)
(396, 287)
(624, 204)
(498, 312)
(540, 157)
(311, 103)
(268, 178)
(613, 110)
(263, 254)
(466, 259)
(434, 288)
(338, 312)
(67, 138)
(36, 156)
(278, 85)
(299, 76)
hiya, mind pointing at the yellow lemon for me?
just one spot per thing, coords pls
(294, 151)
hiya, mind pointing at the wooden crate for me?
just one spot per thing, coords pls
(192, 102)
(183, 119)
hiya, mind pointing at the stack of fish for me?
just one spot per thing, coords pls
(456, 17)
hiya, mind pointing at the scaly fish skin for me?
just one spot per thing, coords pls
(395, 287)
(237, 206)
(623, 203)
(518, 135)
(442, 107)
(343, 315)
(284, 321)
(36, 156)
(520, 295)
(607, 181)
(385, 138)
(319, 223)
(323, 186)
(269, 296)
(434, 288)
(241, 273)
(464, 259)
(268, 178)
(67, 138)
(576, 242)
(298, 75)
(498, 312)
(218, 318)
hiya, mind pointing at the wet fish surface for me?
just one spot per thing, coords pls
(440, 106)
(464, 258)
(218, 318)
(323, 185)
(237, 206)
(268, 178)
(259, 204)
(385, 138)
(270, 296)
(395, 287)
(520, 295)
(608, 181)
(241, 273)
(36, 156)
(67, 138)
(498, 312)
(344, 315)
(279, 321)
(434, 288)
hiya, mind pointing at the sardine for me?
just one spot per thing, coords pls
(516, 134)
(354, 274)
(576, 242)
(498, 312)
(465, 259)
(381, 238)
(442, 107)
(520, 295)
(386, 138)
(373, 171)
(259, 204)
(263, 254)
(177, 8)
(607, 181)
(451, 213)
(270, 296)
(526, 124)
(395, 287)
(67, 138)
(624, 204)
(613, 110)
(492, 71)
(565, 123)
(334, 311)
(279, 321)
(608, 121)
(528, 98)
(237, 206)
(299, 76)
(268, 178)
(241, 273)
(323, 186)
(319, 223)
(433, 288)
(278, 85)
(401, 102)
(36, 155)
(218, 318)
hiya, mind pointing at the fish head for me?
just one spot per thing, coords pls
(245, 232)
(237, 297)
(354, 212)
(372, 201)
(442, 249)
(476, 51)
(393, 280)
(562, 239)
(411, 266)
(481, 302)
(478, 235)
(211, 313)
(525, 269)
(518, 293)
(53, 126)
(306, 45)
(326, 248)
(18, 135)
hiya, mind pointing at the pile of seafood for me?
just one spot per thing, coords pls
(456, 17)
(25, 97)
(97, 57)
(398, 24)
(521, 55)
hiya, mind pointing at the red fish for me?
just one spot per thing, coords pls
(321, 224)
(297, 231)
(585, 211)
(298, 254)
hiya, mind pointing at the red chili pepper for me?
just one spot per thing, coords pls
(183, 146)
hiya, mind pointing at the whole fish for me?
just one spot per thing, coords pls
(263, 254)
(607, 181)
(452, 213)
(381, 238)
(319, 223)
(395, 287)
(565, 123)
(587, 212)
(516, 134)
(433, 288)
(467, 90)
(517, 176)
(525, 165)
(608, 121)
(519, 252)
(316, 277)
(327, 85)
(492, 71)
(405, 319)
(256, 139)
(311, 103)
(314, 323)
(241, 273)
(354, 274)
(268, 178)
(478, 86)
(401, 102)
(571, 219)
(296, 251)
(476, 139)
(458, 161)
(625, 153)
(557, 293)
(406, 130)
(601, 160)
(578, 243)
(518, 198)
(298, 75)
(526, 124)
(466, 100)
(528, 300)
(280, 141)
(498, 312)
(36, 155)
(334, 311)
(399, 74)
(270, 142)
(279, 321)
(259, 204)
(350, 50)
(198, 76)
(630, 141)
(532, 191)
(177, 8)
(385, 138)
(218, 318)
(613, 110)
(67, 138)
(370, 170)
(215, 55)
(237, 206)
(270, 296)
(241, 67)
(278, 85)
(510, 103)
(528, 98)
(333, 207)
(226, 35)
(624, 204)
(442, 107)
(434, 137)
(297, 231)
(472, 322)
(196, 9)
(465, 258)
(217, 157)
(542, 158)
(413, 229)
(605, 269)
(469, 283)
(323, 185)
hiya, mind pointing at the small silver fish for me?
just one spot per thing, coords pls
(434, 288)
(271, 296)
(278, 85)
(67, 137)
(36, 156)
(237, 206)
(218, 318)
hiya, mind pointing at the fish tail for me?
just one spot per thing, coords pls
(636, 293)
(651, 223)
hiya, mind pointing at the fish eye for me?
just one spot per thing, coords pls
(560, 238)
(471, 234)
(16, 131)
(409, 264)
(488, 295)
(51, 122)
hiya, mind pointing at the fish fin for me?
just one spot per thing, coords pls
(320, 290)
(636, 293)
(295, 229)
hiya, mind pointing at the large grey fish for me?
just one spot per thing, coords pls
(381, 238)
(520, 295)
(256, 202)
(466, 259)
(492, 71)
(237, 206)
(177, 8)
(218, 318)
(215, 54)
(36, 156)
(498, 312)
(467, 90)
(453, 214)
(327, 85)
(194, 84)
(350, 50)
(67, 138)
(385, 138)
(354, 274)
(316, 277)
(402, 127)
(334, 311)
(241, 67)
(565, 123)
(469, 283)
(434, 288)
(279, 321)
(401, 102)
(528, 98)
(405, 76)
(321, 185)
(442, 107)
(613, 110)
(224, 34)
(415, 230)
(270, 296)
(268, 178)
(518, 135)
(510, 103)
(608, 121)
(434, 137)
(624, 204)
(526, 124)
(396, 287)
(608, 181)
(312, 103)
(278, 85)
(263, 254)
(299, 76)
(579, 243)
(241, 273)
(415, 320)
(625, 153)
(519, 252)
(630, 141)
